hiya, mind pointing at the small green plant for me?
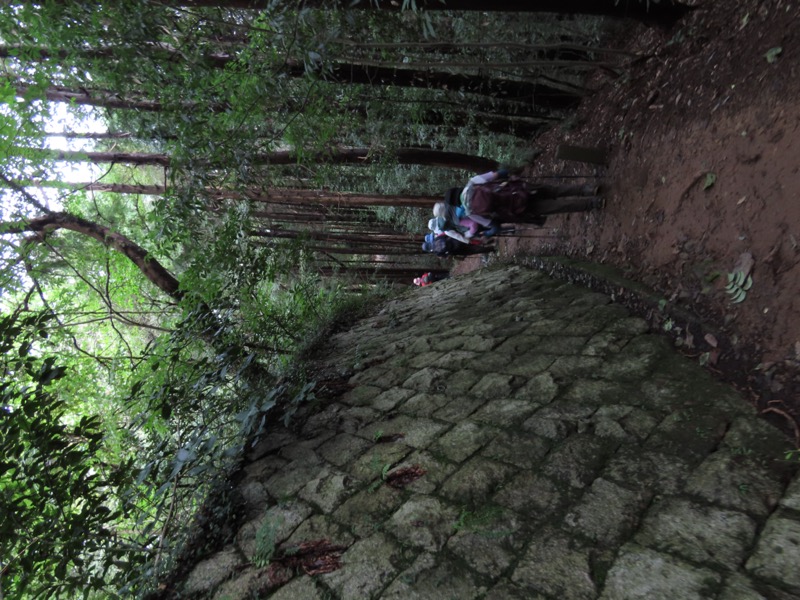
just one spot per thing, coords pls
(708, 280)
(743, 489)
(710, 180)
(379, 482)
(738, 286)
(741, 451)
(792, 455)
(678, 38)
(476, 520)
(265, 543)
(378, 435)
(703, 432)
(680, 416)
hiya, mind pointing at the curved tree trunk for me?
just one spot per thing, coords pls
(144, 261)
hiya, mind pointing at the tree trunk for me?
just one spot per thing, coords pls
(665, 12)
(550, 50)
(541, 94)
(338, 72)
(376, 241)
(393, 273)
(150, 268)
(99, 98)
(101, 135)
(274, 196)
(357, 156)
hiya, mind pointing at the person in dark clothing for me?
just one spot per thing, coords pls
(445, 246)
(513, 200)
(429, 278)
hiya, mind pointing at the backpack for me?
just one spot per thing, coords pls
(442, 246)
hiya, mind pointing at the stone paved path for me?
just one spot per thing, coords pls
(508, 436)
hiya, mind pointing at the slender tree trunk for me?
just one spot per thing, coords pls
(543, 95)
(367, 250)
(328, 198)
(452, 47)
(393, 273)
(98, 98)
(358, 156)
(665, 12)
(322, 236)
(100, 135)
(338, 72)
(289, 197)
(522, 127)
(464, 63)
(314, 218)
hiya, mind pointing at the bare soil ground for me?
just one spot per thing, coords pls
(703, 180)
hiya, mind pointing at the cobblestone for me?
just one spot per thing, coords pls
(510, 437)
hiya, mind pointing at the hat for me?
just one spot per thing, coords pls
(436, 224)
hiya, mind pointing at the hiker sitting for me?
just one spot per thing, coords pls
(445, 246)
(446, 221)
(429, 278)
(513, 200)
(449, 218)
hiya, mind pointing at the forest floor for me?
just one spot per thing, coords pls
(703, 180)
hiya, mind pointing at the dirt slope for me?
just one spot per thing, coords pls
(703, 129)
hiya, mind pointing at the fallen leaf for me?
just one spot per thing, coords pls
(711, 340)
(404, 476)
(773, 53)
(714, 356)
(744, 264)
(689, 339)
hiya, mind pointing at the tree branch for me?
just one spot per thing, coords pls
(156, 273)
(25, 194)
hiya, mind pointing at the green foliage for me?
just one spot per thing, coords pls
(58, 505)
(738, 285)
(266, 537)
